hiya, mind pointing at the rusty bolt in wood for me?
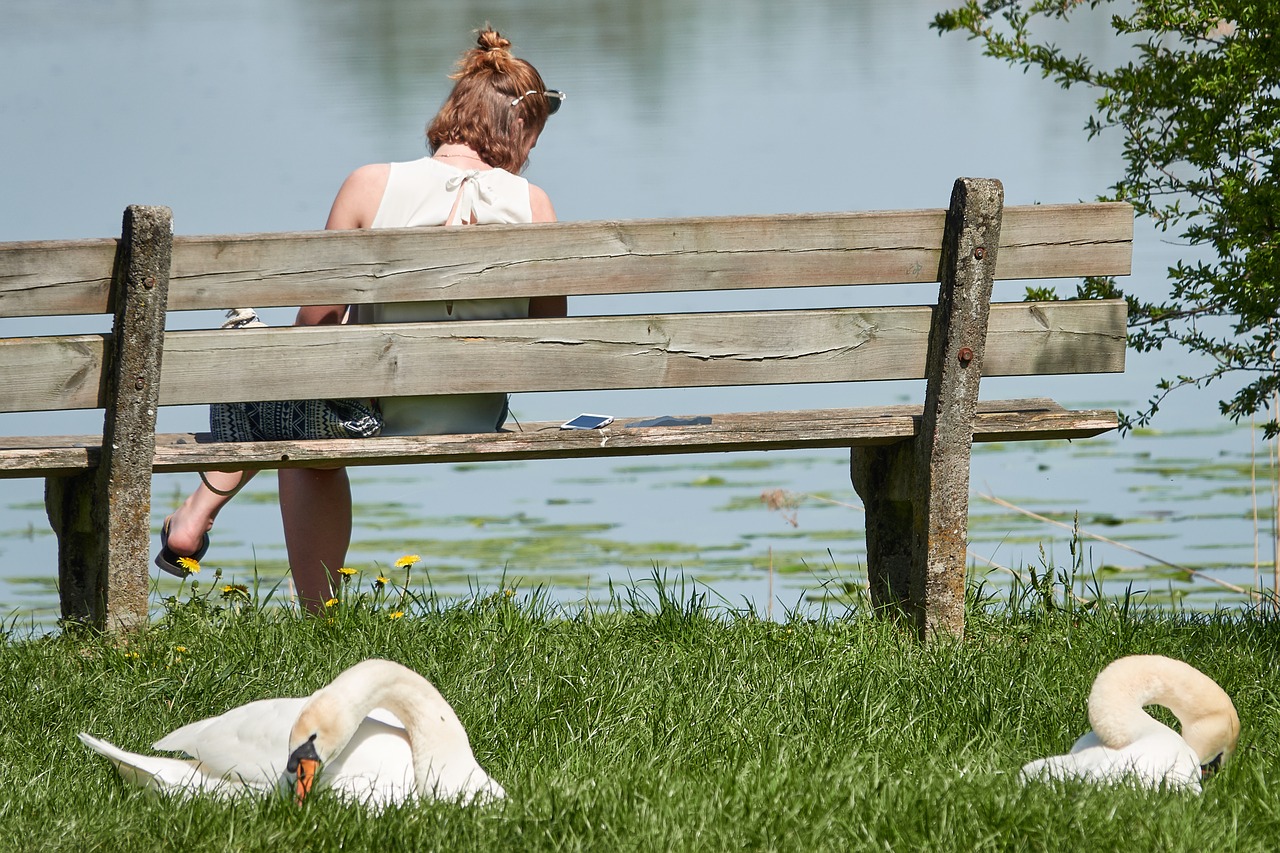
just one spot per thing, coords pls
(965, 355)
(149, 282)
(980, 253)
(139, 383)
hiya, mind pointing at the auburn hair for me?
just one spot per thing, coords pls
(478, 112)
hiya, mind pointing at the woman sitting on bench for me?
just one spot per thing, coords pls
(479, 142)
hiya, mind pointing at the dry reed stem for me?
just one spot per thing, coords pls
(1098, 537)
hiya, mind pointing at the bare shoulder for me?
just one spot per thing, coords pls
(540, 204)
(372, 177)
(357, 201)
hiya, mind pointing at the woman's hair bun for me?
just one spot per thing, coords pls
(491, 39)
(491, 55)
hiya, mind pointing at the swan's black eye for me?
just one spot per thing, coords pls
(1207, 770)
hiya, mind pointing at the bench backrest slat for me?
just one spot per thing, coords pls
(575, 258)
(574, 353)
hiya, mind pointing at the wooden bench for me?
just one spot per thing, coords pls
(910, 464)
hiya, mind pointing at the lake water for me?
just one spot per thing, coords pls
(243, 117)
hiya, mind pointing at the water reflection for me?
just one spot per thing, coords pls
(244, 116)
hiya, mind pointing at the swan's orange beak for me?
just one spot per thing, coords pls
(304, 764)
(307, 769)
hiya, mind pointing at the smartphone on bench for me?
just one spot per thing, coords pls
(587, 422)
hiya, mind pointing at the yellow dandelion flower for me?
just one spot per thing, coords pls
(346, 571)
(331, 602)
(508, 592)
(190, 564)
(395, 614)
(381, 581)
(179, 648)
(407, 560)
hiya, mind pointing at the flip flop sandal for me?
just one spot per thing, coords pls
(168, 561)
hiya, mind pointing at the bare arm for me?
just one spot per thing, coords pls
(545, 306)
(355, 206)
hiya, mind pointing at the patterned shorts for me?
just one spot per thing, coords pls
(285, 420)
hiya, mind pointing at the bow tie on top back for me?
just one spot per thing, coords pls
(469, 189)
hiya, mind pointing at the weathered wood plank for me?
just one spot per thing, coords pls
(575, 353)
(573, 258)
(56, 277)
(997, 420)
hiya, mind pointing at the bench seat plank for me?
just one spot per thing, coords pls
(997, 420)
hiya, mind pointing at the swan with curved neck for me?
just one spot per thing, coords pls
(397, 730)
(443, 765)
(1128, 743)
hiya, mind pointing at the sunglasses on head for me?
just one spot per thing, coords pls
(553, 97)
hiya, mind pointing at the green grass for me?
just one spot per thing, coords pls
(654, 724)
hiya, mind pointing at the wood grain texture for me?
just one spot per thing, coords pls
(573, 258)
(998, 420)
(575, 353)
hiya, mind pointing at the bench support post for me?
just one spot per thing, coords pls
(883, 478)
(103, 517)
(938, 459)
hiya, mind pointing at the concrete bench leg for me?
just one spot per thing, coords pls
(936, 463)
(103, 517)
(884, 478)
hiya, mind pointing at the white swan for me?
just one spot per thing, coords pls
(399, 740)
(1127, 743)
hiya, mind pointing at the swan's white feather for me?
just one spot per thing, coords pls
(167, 775)
(250, 742)
(1155, 759)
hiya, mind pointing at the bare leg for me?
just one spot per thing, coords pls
(315, 505)
(191, 521)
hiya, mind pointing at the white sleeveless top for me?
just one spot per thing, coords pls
(424, 192)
